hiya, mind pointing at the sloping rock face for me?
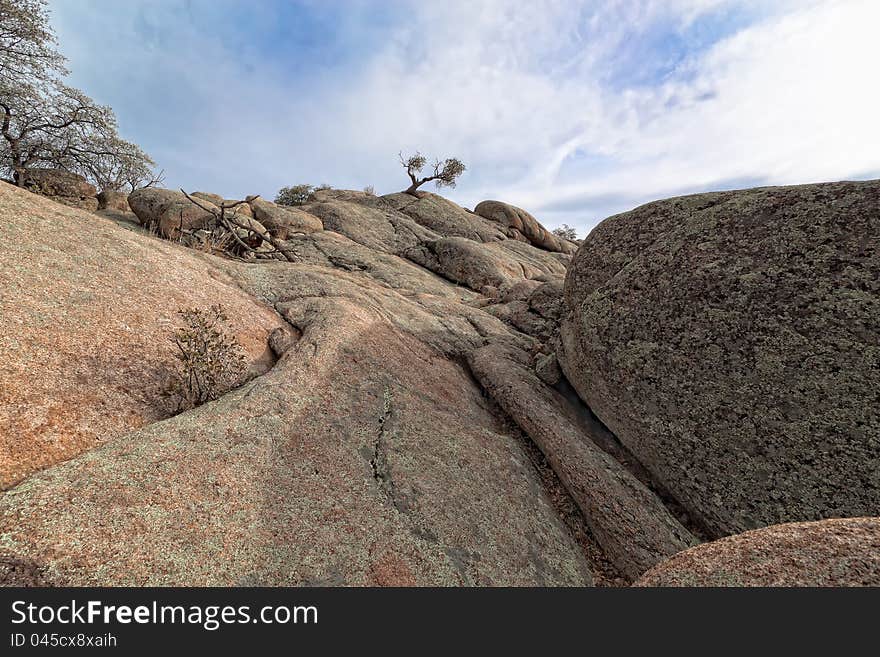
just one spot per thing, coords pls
(467, 263)
(406, 353)
(730, 341)
(840, 552)
(445, 217)
(465, 249)
(378, 228)
(283, 222)
(488, 269)
(331, 249)
(365, 455)
(517, 222)
(88, 309)
(441, 321)
(62, 187)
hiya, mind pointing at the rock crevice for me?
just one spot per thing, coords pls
(630, 522)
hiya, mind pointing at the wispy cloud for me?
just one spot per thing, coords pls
(573, 110)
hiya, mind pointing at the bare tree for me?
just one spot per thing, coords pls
(47, 124)
(59, 127)
(27, 43)
(121, 166)
(444, 173)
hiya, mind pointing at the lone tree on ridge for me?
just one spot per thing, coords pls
(444, 174)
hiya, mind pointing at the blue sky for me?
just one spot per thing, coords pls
(572, 110)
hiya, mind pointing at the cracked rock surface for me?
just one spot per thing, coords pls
(365, 456)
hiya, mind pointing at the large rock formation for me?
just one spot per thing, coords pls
(210, 197)
(380, 229)
(170, 212)
(85, 330)
(331, 249)
(148, 203)
(731, 341)
(61, 186)
(283, 222)
(485, 268)
(404, 355)
(444, 217)
(366, 455)
(323, 195)
(519, 224)
(110, 199)
(840, 552)
(467, 263)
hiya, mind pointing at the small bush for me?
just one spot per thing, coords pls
(369, 190)
(295, 195)
(323, 187)
(566, 232)
(210, 360)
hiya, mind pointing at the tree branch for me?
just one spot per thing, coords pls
(229, 223)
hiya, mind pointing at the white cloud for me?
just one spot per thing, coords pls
(789, 101)
(520, 91)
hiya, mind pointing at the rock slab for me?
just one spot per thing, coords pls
(731, 341)
(839, 552)
(628, 520)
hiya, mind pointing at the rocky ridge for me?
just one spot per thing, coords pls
(402, 370)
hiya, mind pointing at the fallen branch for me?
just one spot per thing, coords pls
(230, 224)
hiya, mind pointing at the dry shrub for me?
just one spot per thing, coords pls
(210, 361)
